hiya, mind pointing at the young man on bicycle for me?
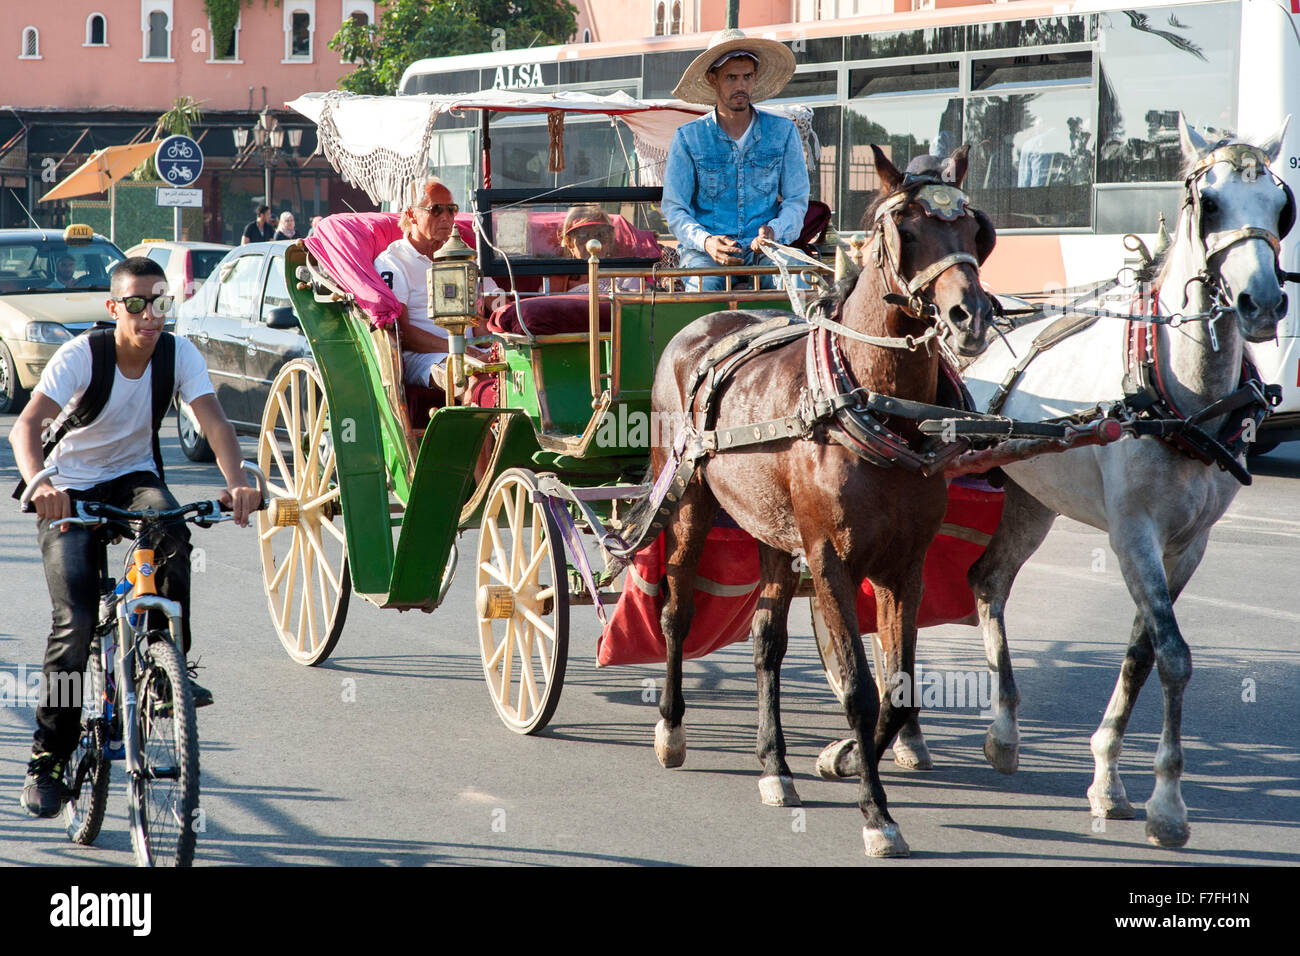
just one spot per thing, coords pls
(110, 460)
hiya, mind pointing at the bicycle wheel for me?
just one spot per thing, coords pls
(83, 814)
(88, 768)
(164, 797)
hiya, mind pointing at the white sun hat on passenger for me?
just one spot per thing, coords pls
(775, 67)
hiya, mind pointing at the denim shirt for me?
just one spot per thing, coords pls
(713, 188)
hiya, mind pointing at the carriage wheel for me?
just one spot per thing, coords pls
(304, 550)
(827, 654)
(522, 597)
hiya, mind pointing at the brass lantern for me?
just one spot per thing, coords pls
(453, 294)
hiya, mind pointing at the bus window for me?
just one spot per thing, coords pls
(904, 127)
(1151, 69)
(1032, 158)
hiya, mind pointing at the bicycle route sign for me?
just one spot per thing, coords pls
(179, 160)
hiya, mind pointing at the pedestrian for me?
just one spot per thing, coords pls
(260, 229)
(286, 230)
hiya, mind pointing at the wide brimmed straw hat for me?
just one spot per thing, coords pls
(775, 67)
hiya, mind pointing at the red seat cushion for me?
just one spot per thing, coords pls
(548, 315)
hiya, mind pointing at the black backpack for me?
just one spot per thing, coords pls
(103, 367)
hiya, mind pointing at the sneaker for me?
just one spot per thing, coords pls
(43, 791)
(202, 696)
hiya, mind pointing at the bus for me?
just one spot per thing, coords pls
(1071, 111)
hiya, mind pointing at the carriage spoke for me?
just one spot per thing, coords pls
(498, 549)
(528, 682)
(270, 532)
(320, 500)
(530, 573)
(494, 571)
(295, 432)
(495, 659)
(508, 645)
(317, 546)
(336, 531)
(273, 446)
(538, 623)
(516, 531)
(289, 582)
(308, 599)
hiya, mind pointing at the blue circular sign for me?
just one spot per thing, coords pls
(179, 161)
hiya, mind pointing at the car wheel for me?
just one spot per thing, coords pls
(1261, 447)
(12, 395)
(193, 444)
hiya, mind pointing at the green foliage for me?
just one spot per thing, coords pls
(180, 119)
(223, 15)
(410, 30)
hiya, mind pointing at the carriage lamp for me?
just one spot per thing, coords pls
(453, 287)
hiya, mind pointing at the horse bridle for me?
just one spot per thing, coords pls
(938, 200)
(1249, 161)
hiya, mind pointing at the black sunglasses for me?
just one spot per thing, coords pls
(437, 209)
(135, 303)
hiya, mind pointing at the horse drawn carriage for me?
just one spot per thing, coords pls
(374, 481)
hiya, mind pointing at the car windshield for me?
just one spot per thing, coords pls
(205, 260)
(53, 265)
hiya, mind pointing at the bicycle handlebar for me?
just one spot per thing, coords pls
(212, 509)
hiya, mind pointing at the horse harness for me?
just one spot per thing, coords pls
(1147, 407)
(851, 415)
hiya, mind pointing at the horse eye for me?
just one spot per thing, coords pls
(907, 237)
(1208, 205)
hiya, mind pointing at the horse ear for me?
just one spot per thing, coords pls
(887, 171)
(985, 237)
(1273, 145)
(954, 170)
(1193, 143)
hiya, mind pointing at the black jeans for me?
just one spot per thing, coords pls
(72, 574)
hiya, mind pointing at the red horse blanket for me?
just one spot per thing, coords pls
(727, 584)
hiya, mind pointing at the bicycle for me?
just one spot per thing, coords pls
(137, 703)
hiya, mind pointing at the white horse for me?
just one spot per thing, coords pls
(1156, 504)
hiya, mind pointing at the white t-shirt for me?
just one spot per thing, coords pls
(120, 440)
(406, 271)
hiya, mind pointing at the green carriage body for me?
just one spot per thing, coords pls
(554, 416)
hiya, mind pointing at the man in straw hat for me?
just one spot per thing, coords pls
(736, 174)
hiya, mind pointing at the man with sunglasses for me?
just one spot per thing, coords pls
(426, 224)
(111, 459)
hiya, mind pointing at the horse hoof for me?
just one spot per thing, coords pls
(1111, 806)
(1004, 758)
(670, 745)
(830, 762)
(911, 757)
(778, 792)
(887, 841)
(1168, 833)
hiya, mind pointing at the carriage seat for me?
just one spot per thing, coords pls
(548, 315)
(346, 246)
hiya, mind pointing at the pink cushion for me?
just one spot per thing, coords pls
(548, 315)
(347, 244)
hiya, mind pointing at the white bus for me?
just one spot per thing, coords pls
(1071, 111)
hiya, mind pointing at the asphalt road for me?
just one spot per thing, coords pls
(391, 754)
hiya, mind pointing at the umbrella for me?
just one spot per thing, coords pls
(104, 167)
(100, 172)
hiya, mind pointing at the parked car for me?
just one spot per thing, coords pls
(243, 323)
(187, 264)
(53, 284)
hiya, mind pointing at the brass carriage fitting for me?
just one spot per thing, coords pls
(283, 512)
(495, 601)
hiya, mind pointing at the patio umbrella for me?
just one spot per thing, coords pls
(100, 172)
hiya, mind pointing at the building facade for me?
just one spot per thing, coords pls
(83, 74)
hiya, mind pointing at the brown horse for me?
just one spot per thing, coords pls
(813, 497)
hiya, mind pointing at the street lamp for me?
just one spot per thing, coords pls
(268, 139)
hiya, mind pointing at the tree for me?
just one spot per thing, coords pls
(180, 119)
(410, 30)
